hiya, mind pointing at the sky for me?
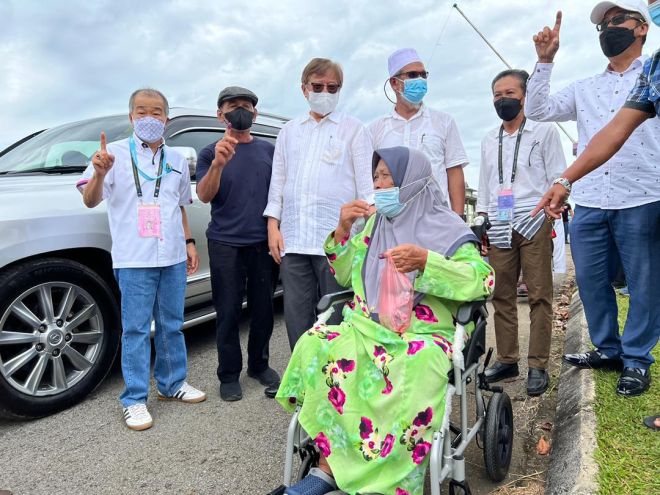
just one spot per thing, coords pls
(67, 60)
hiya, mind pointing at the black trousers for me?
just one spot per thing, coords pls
(233, 270)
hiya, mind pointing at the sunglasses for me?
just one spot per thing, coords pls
(414, 74)
(617, 20)
(318, 87)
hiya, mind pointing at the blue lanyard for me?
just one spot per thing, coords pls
(137, 170)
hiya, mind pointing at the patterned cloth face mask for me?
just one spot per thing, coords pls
(149, 129)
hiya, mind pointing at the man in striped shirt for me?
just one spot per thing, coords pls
(519, 160)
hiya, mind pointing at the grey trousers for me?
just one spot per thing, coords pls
(306, 278)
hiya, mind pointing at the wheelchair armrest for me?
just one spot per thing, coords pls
(334, 298)
(467, 312)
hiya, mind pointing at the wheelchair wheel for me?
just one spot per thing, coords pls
(498, 436)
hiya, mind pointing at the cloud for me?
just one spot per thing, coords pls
(65, 61)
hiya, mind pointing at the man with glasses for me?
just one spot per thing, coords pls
(322, 160)
(411, 123)
(614, 202)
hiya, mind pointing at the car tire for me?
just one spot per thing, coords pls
(59, 335)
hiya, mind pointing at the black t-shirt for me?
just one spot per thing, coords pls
(237, 210)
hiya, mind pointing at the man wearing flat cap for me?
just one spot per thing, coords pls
(411, 123)
(233, 174)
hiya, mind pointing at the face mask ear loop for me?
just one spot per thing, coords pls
(385, 91)
(428, 181)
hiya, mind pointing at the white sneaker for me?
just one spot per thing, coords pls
(186, 393)
(137, 417)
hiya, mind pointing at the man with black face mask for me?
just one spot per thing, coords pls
(233, 174)
(518, 159)
(614, 202)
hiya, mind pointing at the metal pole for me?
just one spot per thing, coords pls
(504, 61)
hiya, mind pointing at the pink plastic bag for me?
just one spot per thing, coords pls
(395, 300)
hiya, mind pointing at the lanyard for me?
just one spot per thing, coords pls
(515, 154)
(136, 170)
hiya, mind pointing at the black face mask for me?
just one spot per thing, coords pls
(240, 119)
(508, 108)
(615, 40)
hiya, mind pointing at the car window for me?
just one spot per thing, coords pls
(197, 139)
(67, 145)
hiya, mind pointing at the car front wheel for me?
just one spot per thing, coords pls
(59, 335)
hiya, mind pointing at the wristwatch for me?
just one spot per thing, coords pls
(562, 181)
(190, 241)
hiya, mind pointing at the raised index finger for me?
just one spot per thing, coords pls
(557, 22)
(103, 141)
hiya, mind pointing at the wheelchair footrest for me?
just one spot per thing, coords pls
(459, 488)
(278, 491)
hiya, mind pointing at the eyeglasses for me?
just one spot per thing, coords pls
(318, 87)
(414, 74)
(617, 20)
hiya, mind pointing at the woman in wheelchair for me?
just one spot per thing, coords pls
(371, 398)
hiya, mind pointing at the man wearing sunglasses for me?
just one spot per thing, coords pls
(322, 161)
(614, 203)
(411, 123)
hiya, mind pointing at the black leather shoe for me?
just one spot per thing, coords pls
(231, 391)
(271, 391)
(633, 381)
(500, 371)
(267, 377)
(537, 381)
(595, 360)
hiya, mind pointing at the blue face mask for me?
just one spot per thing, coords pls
(414, 90)
(387, 202)
(654, 12)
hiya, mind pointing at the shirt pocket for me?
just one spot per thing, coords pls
(530, 156)
(334, 152)
(433, 147)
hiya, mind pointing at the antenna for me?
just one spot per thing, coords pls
(505, 62)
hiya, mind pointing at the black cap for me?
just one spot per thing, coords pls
(231, 92)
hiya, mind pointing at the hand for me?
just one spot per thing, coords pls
(408, 257)
(484, 249)
(275, 240)
(225, 149)
(102, 160)
(192, 262)
(552, 201)
(349, 213)
(546, 42)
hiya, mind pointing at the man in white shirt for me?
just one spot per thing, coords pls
(519, 159)
(411, 123)
(613, 202)
(146, 185)
(322, 160)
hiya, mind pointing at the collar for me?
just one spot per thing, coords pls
(637, 63)
(423, 110)
(530, 125)
(333, 116)
(142, 145)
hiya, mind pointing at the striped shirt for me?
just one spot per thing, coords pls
(540, 161)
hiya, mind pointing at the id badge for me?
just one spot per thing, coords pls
(149, 220)
(505, 205)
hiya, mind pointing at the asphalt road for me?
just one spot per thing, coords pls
(211, 447)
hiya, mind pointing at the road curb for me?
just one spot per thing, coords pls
(573, 469)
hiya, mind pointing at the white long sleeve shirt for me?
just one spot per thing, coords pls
(540, 161)
(317, 167)
(632, 176)
(431, 131)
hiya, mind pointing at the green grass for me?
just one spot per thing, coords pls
(628, 453)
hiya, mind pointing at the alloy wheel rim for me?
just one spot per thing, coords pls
(50, 338)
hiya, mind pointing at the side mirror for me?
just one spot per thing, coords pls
(190, 155)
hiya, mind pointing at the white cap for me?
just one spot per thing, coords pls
(400, 58)
(601, 8)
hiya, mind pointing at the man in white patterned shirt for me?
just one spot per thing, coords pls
(519, 159)
(413, 124)
(322, 161)
(615, 201)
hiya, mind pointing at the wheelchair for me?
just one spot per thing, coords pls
(492, 428)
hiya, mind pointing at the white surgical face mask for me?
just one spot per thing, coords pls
(323, 103)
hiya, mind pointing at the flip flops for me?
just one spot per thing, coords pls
(649, 422)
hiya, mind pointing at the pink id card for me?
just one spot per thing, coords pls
(149, 220)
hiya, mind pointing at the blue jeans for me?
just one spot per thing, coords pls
(147, 293)
(600, 240)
